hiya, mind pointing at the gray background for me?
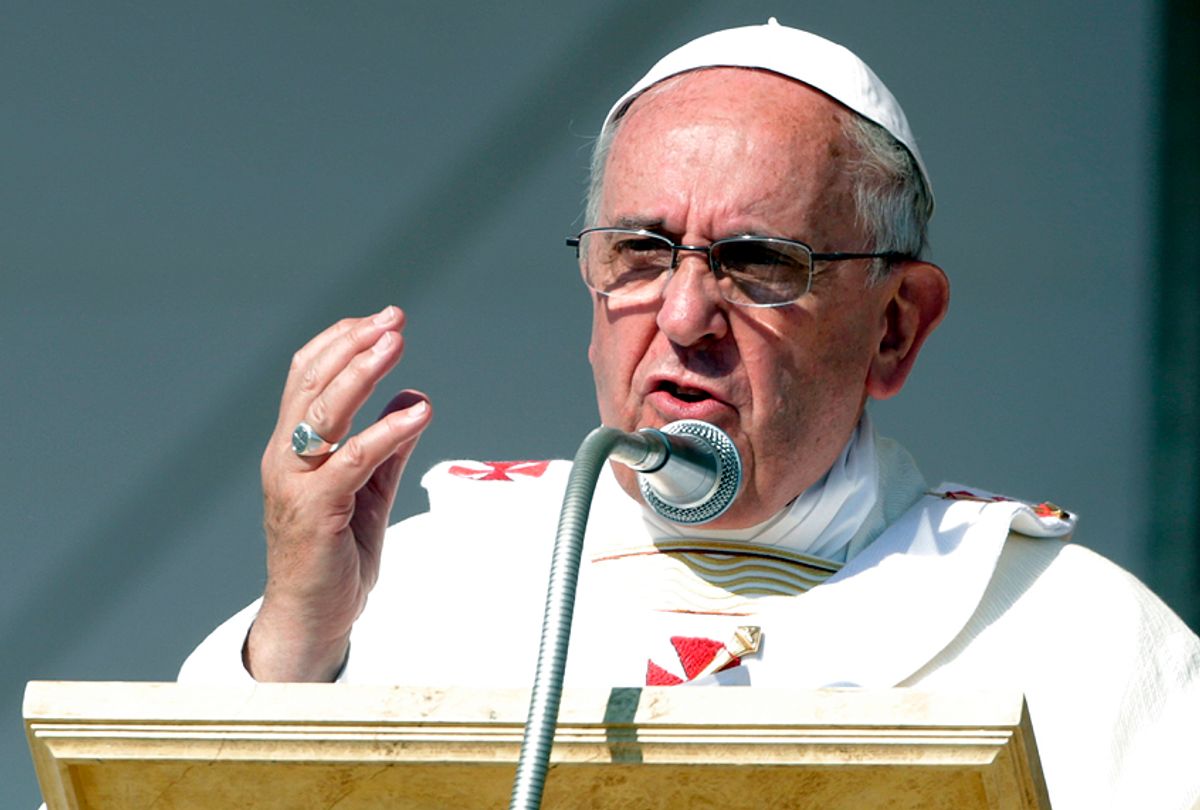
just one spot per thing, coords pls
(189, 191)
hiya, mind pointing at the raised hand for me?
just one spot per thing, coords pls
(325, 515)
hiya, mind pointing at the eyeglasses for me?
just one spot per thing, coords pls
(751, 271)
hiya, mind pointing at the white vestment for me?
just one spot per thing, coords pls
(955, 593)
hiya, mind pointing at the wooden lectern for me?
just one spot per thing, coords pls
(136, 746)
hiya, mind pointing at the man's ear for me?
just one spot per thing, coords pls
(916, 295)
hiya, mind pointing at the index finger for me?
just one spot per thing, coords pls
(323, 357)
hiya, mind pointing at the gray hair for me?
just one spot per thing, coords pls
(892, 201)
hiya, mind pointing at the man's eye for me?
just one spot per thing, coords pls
(641, 256)
(754, 258)
(642, 246)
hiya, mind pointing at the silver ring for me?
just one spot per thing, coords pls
(307, 442)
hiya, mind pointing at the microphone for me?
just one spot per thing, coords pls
(689, 471)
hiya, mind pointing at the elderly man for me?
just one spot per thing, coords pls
(756, 223)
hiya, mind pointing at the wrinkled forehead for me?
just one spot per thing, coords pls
(727, 150)
(763, 117)
(807, 58)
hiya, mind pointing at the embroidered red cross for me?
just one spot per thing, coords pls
(694, 653)
(499, 470)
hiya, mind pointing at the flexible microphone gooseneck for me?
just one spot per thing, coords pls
(689, 472)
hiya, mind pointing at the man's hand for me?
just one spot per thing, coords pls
(325, 516)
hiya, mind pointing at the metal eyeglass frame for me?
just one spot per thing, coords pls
(714, 265)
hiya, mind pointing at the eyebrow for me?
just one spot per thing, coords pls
(655, 225)
(639, 223)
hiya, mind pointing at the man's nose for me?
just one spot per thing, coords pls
(692, 307)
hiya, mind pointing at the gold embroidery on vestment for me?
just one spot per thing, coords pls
(713, 577)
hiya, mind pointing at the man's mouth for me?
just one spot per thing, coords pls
(682, 392)
(673, 399)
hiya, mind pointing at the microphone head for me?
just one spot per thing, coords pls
(710, 449)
